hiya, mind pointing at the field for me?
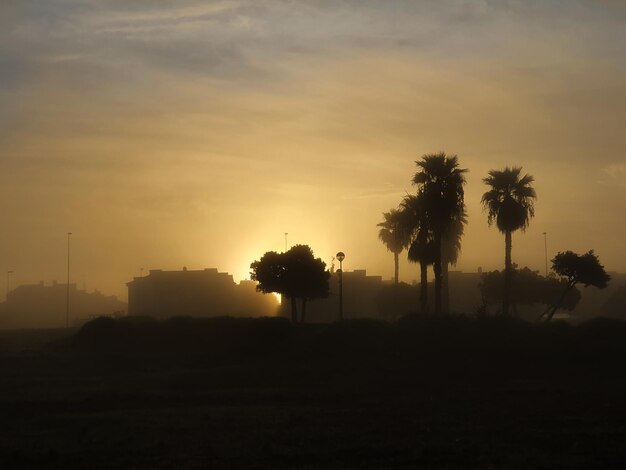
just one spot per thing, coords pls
(450, 392)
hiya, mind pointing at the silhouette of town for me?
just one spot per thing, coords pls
(450, 176)
(43, 306)
(210, 293)
(428, 226)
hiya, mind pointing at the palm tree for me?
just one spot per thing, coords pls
(414, 223)
(393, 237)
(511, 204)
(441, 181)
(450, 250)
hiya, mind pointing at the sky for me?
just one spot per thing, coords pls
(192, 133)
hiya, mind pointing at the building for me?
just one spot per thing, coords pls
(45, 306)
(198, 293)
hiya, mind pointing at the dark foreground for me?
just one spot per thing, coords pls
(425, 393)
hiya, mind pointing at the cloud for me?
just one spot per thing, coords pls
(614, 175)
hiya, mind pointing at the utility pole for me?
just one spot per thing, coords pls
(286, 240)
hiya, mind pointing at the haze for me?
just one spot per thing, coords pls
(196, 135)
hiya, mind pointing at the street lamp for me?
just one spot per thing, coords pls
(67, 309)
(8, 280)
(340, 257)
(545, 247)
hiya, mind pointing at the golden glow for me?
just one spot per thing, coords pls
(156, 150)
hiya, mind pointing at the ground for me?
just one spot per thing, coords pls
(356, 396)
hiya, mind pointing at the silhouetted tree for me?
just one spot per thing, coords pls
(296, 274)
(414, 224)
(584, 269)
(510, 202)
(393, 237)
(450, 249)
(269, 272)
(529, 288)
(307, 277)
(441, 181)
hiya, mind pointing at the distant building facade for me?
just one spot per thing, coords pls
(198, 293)
(45, 306)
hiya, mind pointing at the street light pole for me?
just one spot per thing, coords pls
(545, 247)
(67, 305)
(340, 257)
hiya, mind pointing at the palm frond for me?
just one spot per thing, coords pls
(510, 199)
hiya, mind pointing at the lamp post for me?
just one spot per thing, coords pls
(545, 247)
(8, 285)
(340, 257)
(67, 304)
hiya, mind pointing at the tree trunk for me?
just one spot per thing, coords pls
(552, 310)
(394, 304)
(424, 287)
(445, 286)
(445, 256)
(294, 310)
(437, 269)
(303, 315)
(396, 267)
(507, 272)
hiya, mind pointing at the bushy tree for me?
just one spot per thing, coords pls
(576, 269)
(295, 274)
(529, 288)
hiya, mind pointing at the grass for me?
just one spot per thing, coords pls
(431, 392)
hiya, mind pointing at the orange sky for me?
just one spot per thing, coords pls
(196, 135)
